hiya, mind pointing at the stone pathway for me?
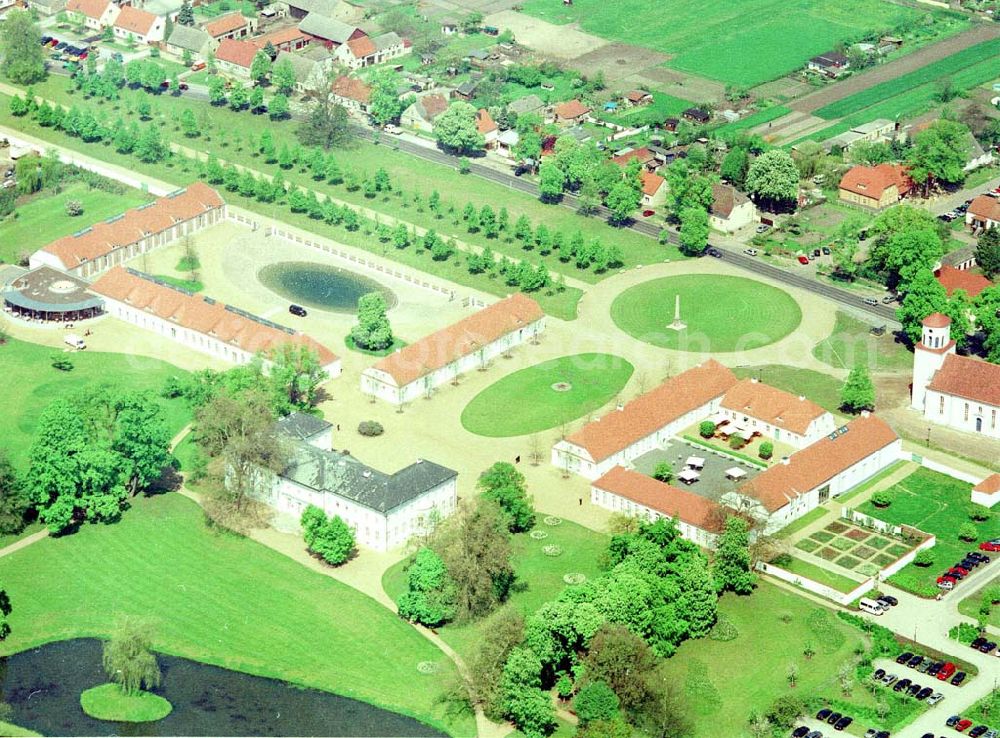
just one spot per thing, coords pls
(24, 542)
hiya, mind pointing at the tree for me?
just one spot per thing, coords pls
(372, 331)
(858, 392)
(430, 593)
(939, 154)
(622, 660)
(256, 100)
(501, 633)
(326, 123)
(551, 181)
(278, 107)
(283, 76)
(734, 167)
(185, 16)
(455, 129)
(239, 96)
(924, 295)
(330, 538)
(385, 105)
(988, 252)
(21, 57)
(127, 658)
(968, 532)
(504, 485)
(149, 148)
(216, 90)
(987, 311)
(694, 231)
(294, 375)
(596, 701)
(665, 712)
(784, 711)
(766, 450)
(698, 597)
(622, 200)
(260, 66)
(731, 568)
(773, 178)
(523, 701)
(14, 501)
(140, 438)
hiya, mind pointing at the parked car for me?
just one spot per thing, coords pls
(803, 259)
(914, 689)
(946, 582)
(824, 713)
(826, 251)
(935, 698)
(888, 299)
(988, 647)
(815, 734)
(925, 667)
(750, 252)
(871, 301)
(648, 213)
(990, 546)
(882, 734)
(800, 731)
(952, 721)
(978, 731)
(714, 252)
(297, 310)
(977, 642)
(871, 733)
(763, 228)
(889, 679)
(834, 717)
(958, 679)
(946, 672)
(914, 661)
(843, 723)
(958, 572)
(962, 725)
(935, 667)
(878, 674)
(901, 685)
(977, 556)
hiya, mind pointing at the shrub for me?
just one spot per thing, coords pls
(564, 687)
(964, 633)
(766, 450)
(706, 429)
(62, 363)
(724, 630)
(881, 499)
(595, 701)
(370, 428)
(924, 557)
(664, 471)
(978, 513)
(74, 208)
(736, 443)
(968, 532)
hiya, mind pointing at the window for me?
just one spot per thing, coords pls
(967, 411)
(993, 421)
(941, 405)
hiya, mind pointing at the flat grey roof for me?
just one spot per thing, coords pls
(51, 290)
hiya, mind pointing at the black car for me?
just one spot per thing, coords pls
(714, 252)
(901, 685)
(958, 678)
(952, 721)
(888, 600)
(800, 731)
(297, 310)
(834, 717)
(843, 723)
(924, 693)
(968, 563)
(45, 40)
(882, 734)
(977, 643)
(977, 731)
(933, 671)
(904, 657)
(826, 251)
(915, 662)
(878, 674)
(987, 647)
(823, 714)
(913, 690)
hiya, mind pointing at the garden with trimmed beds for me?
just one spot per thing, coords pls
(546, 395)
(196, 586)
(852, 547)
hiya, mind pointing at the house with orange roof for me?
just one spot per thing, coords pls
(352, 93)
(646, 423)
(960, 392)
(987, 492)
(824, 470)
(199, 322)
(94, 14)
(875, 187)
(628, 492)
(290, 38)
(235, 57)
(95, 250)
(761, 409)
(366, 51)
(134, 24)
(953, 279)
(421, 114)
(635, 98)
(654, 189)
(231, 25)
(416, 370)
(572, 111)
(983, 213)
(487, 127)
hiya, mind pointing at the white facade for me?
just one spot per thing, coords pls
(107, 17)
(928, 356)
(742, 215)
(617, 503)
(821, 426)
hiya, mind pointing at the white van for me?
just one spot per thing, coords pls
(75, 341)
(870, 606)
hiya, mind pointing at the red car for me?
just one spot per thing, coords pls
(989, 546)
(958, 571)
(803, 259)
(963, 725)
(647, 213)
(946, 671)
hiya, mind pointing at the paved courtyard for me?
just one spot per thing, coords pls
(713, 483)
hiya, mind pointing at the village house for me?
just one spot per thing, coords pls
(467, 90)
(231, 25)
(192, 40)
(385, 510)
(526, 104)
(487, 127)
(299, 9)
(630, 493)
(421, 114)
(961, 258)
(506, 142)
(235, 57)
(46, 8)
(199, 322)
(364, 51)
(309, 75)
(636, 98)
(960, 392)
(139, 25)
(953, 279)
(290, 38)
(654, 189)
(449, 26)
(830, 64)
(697, 116)
(470, 344)
(645, 156)
(761, 409)
(875, 187)
(571, 111)
(983, 213)
(329, 31)
(94, 250)
(731, 210)
(987, 492)
(94, 14)
(352, 93)
(819, 472)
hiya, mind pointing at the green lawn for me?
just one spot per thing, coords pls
(805, 521)
(109, 702)
(744, 42)
(224, 600)
(191, 285)
(539, 577)
(663, 105)
(938, 504)
(15, 731)
(817, 573)
(722, 313)
(970, 607)
(822, 389)
(752, 121)
(722, 682)
(26, 366)
(851, 343)
(594, 379)
(42, 218)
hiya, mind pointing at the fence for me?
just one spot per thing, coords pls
(942, 468)
(348, 256)
(907, 558)
(829, 593)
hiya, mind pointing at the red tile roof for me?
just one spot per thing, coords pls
(361, 47)
(651, 183)
(772, 405)
(226, 24)
(134, 20)
(461, 339)
(990, 485)
(234, 51)
(571, 109)
(986, 208)
(134, 225)
(873, 181)
(636, 95)
(90, 8)
(352, 89)
(652, 411)
(200, 314)
(642, 154)
(279, 37)
(725, 198)
(664, 498)
(968, 378)
(936, 320)
(484, 122)
(817, 464)
(962, 279)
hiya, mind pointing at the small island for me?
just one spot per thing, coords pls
(109, 702)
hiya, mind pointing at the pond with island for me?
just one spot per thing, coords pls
(43, 685)
(321, 286)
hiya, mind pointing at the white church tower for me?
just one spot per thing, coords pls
(928, 355)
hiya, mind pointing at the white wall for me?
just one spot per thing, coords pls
(619, 504)
(961, 414)
(842, 598)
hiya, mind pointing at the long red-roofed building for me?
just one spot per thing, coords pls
(987, 492)
(470, 344)
(104, 245)
(199, 322)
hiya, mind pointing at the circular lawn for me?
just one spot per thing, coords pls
(546, 395)
(721, 313)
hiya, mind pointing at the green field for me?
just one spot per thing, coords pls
(109, 702)
(224, 600)
(851, 343)
(822, 389)
(752, 121)
(938, 504)
(722, 313)
(27, 366)
(947, 67)
(744, 42)
(970, 607)
(663, 105)
(594, 379)
(817, 573)
(539, 577)
(43, 219)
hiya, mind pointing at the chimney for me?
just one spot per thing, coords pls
(865, 414)
(802, 398)
(785, 460)
(419, 461)
(620, 405)
(753, 380)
